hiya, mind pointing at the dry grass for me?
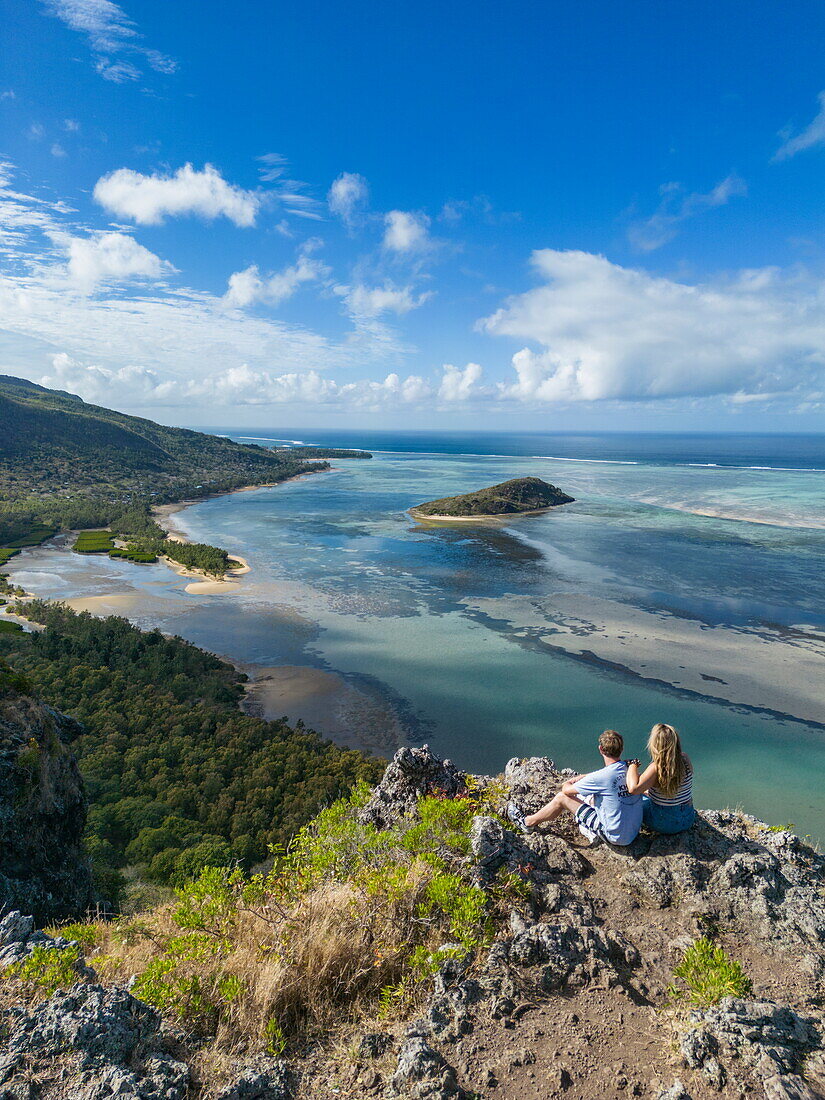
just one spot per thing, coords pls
(309, 969)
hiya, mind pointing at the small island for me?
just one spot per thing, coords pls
(517, 497)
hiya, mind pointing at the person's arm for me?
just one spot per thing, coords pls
(569, 785)
(637, 784)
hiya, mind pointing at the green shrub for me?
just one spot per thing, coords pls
(6, 553)
(87, 935)
(47, 969)
(7, 626)
(349, 915)
(708, 974)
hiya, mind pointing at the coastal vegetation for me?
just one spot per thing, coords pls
(311, 452)
(178, 776)
(67, 465)
(521, 494)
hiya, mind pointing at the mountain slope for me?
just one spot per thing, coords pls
(65, 463)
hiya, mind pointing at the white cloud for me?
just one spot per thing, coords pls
(405, 231)
(109, 32)
(813, 134)
(676, 207)
(71, 125)
(608, 332)
(148, 200)
(291, 193)
(459, 385)
(347, 196)
(110, 258)
(57, 150)
(172, 331)
(364, 301)
(248, 287)
(235, 386)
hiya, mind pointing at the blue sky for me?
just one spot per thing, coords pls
(554, 215)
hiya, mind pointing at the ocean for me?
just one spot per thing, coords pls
(684, 585)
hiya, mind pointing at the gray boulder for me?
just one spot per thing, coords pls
(106, 1042)
(262, 1078)
(411, 774)
(422, 1073)
(762, 1040)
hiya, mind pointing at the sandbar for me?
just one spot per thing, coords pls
(778, 670)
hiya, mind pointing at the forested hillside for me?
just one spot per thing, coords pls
(178, 777)
(64, 463)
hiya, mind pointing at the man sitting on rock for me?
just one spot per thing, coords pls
(600, 801)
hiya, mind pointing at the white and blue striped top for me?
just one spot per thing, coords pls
(682, 797)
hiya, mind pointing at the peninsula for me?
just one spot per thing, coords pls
(509, 498)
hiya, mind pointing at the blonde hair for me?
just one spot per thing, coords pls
(665, 750)
(611, 743)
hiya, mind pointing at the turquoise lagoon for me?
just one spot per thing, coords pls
(344, 580)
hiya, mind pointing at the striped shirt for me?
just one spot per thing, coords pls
(682, 797)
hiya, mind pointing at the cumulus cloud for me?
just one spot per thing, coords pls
(348, 196)
(241, 384)
(609, 332)
(110, 34)
(676, 207)
(405, 231)
(366, 301)
(248, 287)
(813, 134)
(150, 199)
(459, 385)
(171, 331)
(110, 258)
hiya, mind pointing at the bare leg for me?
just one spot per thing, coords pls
(554, 807)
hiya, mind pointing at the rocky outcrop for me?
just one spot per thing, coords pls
(567, 999)
(411, 774)
(19, 938)
(94, 1041)
(43, 871)
(262, 1078)
(764, 1041)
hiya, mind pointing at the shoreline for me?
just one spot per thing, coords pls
(208, 584)
(422, 517)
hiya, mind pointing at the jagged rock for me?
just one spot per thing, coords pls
(731, 866)
(570, 954)
(411, 774)
(761, 1038)
(18, 938)
(42, 813)
(539, 858)
(109, 1040)
(532, 781)
(788, 1087)
(424, 1074)
(261, 1079)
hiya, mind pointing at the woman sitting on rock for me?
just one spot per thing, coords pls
(666, 783)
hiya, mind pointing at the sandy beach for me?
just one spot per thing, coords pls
(202, 583)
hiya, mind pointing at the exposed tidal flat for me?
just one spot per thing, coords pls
(629, 606)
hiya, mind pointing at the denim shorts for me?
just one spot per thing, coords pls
(667, 819)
